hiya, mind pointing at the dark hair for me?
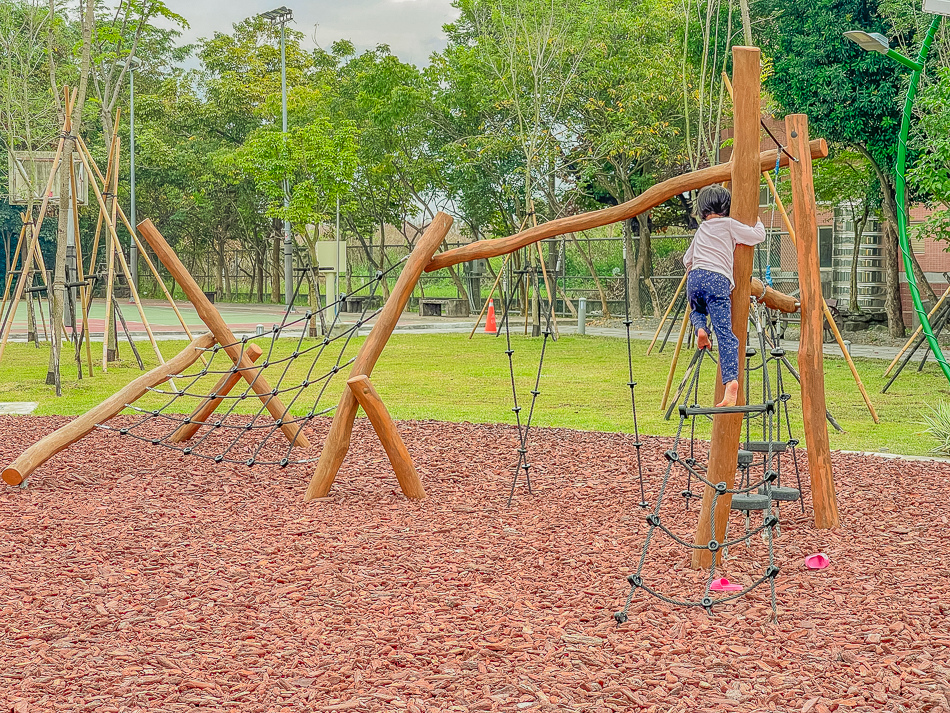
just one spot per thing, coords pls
(713, 199)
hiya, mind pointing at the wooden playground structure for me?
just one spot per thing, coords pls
(743, 172)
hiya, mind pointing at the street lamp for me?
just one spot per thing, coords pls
(133, 249)
(281, 16)
(873, 42)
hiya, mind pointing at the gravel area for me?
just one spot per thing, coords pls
(133, 578)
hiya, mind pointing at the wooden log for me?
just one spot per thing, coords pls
(651, 198)
(679, 288)
(211, 317)
(62, 438)
(676, 356)
(81, 277)
(207, 407)
(746, 167)
(338, 440)
(399, 457)
(810, 355)
(772, 298)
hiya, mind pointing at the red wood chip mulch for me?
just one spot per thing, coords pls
(134, 578)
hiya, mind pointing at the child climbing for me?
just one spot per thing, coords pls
(709, 285)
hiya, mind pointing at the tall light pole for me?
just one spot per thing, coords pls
(874, 42)
(281, 16)
(133, 248)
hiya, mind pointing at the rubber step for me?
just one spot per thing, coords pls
(745, 458)
(750, 501)
(763, 446)
(767, 407)
(784, 494)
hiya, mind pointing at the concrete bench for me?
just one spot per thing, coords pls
(443, 307)
(358, 303)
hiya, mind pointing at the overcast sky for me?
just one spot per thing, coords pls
(412, 28)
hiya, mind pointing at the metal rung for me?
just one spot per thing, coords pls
(767, 407)
(750, 501)
(784, 494)
(763, 446)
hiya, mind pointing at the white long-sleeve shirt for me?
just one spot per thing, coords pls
(715, 242)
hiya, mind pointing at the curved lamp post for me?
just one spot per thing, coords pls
(873, 42)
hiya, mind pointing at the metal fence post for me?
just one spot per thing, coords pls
(582, 315)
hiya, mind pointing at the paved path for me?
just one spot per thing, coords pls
(244, 319)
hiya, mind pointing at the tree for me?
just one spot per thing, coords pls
(852, 97)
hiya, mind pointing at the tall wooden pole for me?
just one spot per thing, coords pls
(727, 427)
(810, 356)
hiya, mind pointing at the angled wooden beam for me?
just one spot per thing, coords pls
(338, 440)
(207, 407)
(211, 317)
(395, 448)
(44, 449)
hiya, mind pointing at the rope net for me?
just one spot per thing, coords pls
(297, 367)
(758, 487)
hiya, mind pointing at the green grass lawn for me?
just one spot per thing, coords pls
(583, 385)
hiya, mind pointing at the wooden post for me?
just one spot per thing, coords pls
(211, 317)
(81, 277)
(727, 427)
(47, 447)
(16, 256)
(338, 440)
(207, 407)
(679, 288)
(676, 356)
(399, 457)
(810, 356)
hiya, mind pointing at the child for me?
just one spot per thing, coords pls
(708, 287)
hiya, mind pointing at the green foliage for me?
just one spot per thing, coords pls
(930, 174)
(938, 426)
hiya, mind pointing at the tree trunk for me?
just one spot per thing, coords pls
(219, 266)
(630, 270)
(382, 258)
(859, 225)
(58, 289)
(644, 266)
(259, 257)
(593, 273)
(275, 268)
(892, 299)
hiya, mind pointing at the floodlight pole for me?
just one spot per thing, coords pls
(288, 242)
(133, 248)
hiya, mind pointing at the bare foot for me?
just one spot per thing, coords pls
(731, 395)
(702, 339)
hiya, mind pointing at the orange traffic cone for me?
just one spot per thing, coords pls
(490, 326)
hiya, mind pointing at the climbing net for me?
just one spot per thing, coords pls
(244, 430)
(759, 493)
(521, 280)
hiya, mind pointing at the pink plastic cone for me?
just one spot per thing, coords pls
(819, 560)
(724, 585)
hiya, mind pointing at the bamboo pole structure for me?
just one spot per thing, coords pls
(203, 412)
(395, 448)
(916, 334)
(110, 263)
(676, 356)
(727, 427)
(810, 356)
(116, 250)
(62, 438)
(491, 295)
(211, 317)
(679, 288)
(338, 440)
(106, 181)
(16, 256)
(35, 237)
(651, 198)
(142, 251)
(80, 276)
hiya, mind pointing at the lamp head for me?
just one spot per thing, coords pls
(279, 16)
(870, 41)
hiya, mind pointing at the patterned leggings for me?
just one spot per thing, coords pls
(709, 295)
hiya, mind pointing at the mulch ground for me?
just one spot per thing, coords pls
(133, 578)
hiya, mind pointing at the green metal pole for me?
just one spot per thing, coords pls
(901, 185)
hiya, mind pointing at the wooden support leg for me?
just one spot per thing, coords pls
(810, 355)
(201, 414)
(659, 328)
(211, 317)
(676, 356)
(338, 440)
(375, 409)
(727, 427)
(46, 448)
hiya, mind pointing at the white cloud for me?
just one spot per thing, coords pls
(412, 28)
